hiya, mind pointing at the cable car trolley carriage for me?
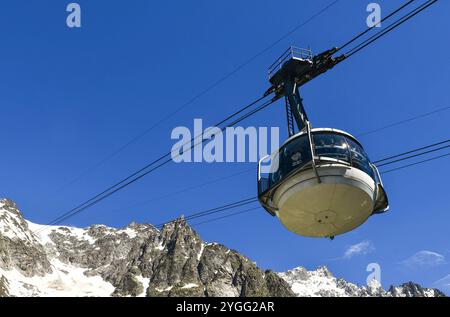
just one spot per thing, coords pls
(320, 183)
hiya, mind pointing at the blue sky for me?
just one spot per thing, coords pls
(71, 97)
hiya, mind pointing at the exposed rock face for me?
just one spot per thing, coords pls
(4, 292)
(279, 287)
(411, 289)
(322, 283)
(136, 260)
(19, 249)
(140, 260)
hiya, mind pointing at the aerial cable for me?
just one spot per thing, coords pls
(402, 121)
(203, 92)
(215, 210)
(252, 169)
(383, 172)
(226, 216)
(361, 46)
(140, 173)
(254, 199)
(130, 180)
(251, 209)
(223, 208)
(389, 28)
(186, 189)
(114, 189)
(411, 151)
(416, 163)
(374, 26)
(161, 158)
(413, 156)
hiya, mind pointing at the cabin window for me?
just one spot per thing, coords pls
(331, 145)
(293, 155)
(360, 160)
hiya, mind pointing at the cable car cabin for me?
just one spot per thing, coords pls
(321, 187)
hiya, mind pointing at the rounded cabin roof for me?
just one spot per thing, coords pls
(315, 130)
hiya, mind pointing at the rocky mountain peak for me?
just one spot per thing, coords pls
(12, 223)
(411, 289)
(140, 260)
(19, 248)
(8, 204)
(323, 271)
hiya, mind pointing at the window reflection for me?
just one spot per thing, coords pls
(331, 145)
(292, 156)
(297, 154)
(360, 160)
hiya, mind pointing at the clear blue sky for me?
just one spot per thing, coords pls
(70, 97)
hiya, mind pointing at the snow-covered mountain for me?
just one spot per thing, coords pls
(140, 260)
(322, 283)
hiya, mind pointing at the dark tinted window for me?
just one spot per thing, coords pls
(293, 155)
(359, 157)
(331, 145)
(297, 154)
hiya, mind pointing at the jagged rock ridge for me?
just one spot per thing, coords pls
(140, 260)
(322, 283)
